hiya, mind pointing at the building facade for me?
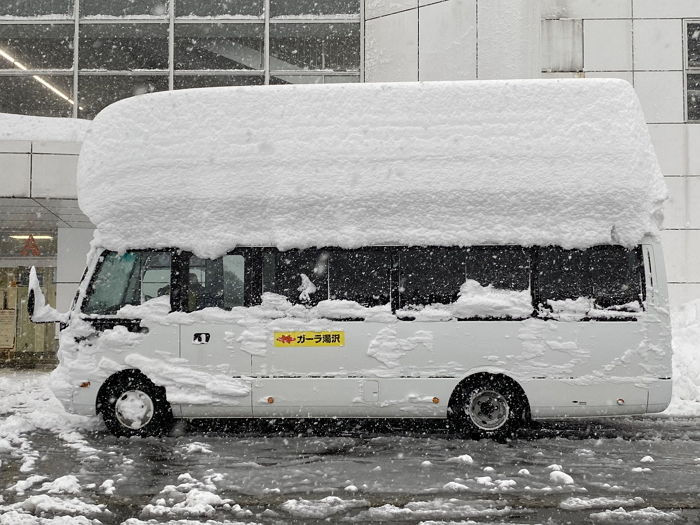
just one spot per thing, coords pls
(71, 58)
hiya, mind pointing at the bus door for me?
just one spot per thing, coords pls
(211, 292)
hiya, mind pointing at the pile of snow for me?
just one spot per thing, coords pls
(23, 127)
(685, 323)
(192, 498)
(530, 162)
(32, 407)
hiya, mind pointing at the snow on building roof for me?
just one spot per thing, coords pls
(531, 162)
(24, 127)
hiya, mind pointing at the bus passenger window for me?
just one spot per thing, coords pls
(501, 267)
(299, 275)
(362, 276)
(616, 276)
(430, 275)
(562, 274)
(599, 278)
(216, 283)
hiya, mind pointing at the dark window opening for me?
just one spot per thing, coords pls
(611, 276)
(430, 275)
(299, 275)
(362, 276)
(502, 267)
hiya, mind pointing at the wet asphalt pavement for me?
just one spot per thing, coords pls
(403, 471)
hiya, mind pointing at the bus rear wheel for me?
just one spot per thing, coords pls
(131, 405)
(487, 406)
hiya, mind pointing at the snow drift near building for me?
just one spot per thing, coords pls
(530, 162)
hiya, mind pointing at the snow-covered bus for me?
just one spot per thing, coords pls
(479, 251)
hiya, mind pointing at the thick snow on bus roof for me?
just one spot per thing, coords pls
(531, 162)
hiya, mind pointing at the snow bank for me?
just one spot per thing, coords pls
(685, 323)
(23, 127)
(532, 162)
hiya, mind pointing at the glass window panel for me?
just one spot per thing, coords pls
(616, 275)
(234, 280)
(130, 278)
(299, 275)
(123, 46)
(694, 45)
(36, 7)
(430, 275)
(216, 283)
(693, 97)
(96, 92)
(26, 95)
(314, 46)
(123, 7)
(218, 7)
(502, 267)
(362, 276)
(199, 81)
(36, 46)
(314, 7)
(562, 274)
(219, 46)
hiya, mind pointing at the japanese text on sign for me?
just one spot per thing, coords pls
(309, 338)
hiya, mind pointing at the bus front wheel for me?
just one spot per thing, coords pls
(487, 406)
(131, 405)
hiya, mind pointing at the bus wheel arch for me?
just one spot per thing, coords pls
(488, 405)
(132, 405)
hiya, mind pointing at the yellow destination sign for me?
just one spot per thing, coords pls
(309, 338)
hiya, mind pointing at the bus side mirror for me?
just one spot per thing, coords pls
(39, 311)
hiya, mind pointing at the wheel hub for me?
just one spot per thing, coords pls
(134, 409)
(489, 410)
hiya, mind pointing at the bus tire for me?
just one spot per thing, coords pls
(487, 406)
(131, 405)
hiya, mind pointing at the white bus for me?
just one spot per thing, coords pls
(474, 327)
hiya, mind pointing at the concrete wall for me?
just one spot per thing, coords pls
(40, 169)
(408, 40)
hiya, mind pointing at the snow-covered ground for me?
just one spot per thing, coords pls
(56, 468)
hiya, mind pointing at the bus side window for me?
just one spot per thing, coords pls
(362, 276)
(501, 267)
(216, 283)
(299, 275)
(562, 274)
(430, 275)
(610, 277)
(616, 276)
